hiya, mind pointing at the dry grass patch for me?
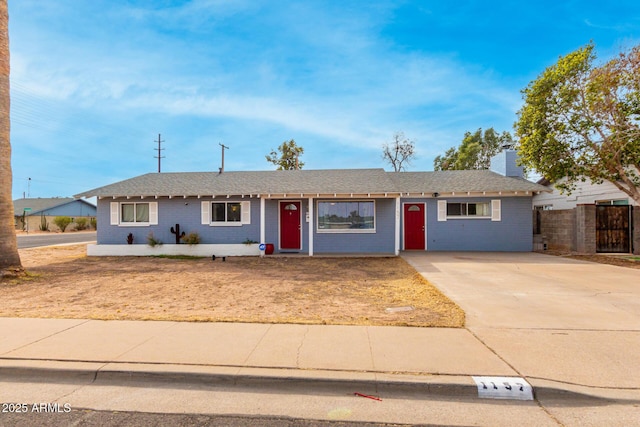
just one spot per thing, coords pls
(64, 283)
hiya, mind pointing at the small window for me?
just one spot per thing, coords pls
(469, 209)
(226, 212)
(134, 212)
(414, 208)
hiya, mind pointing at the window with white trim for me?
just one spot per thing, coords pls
(134, 213)
(346, 216)
(468, 210)
(226, 213)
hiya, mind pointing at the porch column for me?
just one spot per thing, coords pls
(263, 238)
(310, 226)
(397, 250)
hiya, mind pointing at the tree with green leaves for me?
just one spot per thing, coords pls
(287, 157)
(582, 121)
(399, 152)
(474, 152)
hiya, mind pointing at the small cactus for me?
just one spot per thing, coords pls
(176, 231)
(130, 238)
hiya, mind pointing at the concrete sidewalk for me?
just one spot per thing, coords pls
(300, 371)
(365, 352)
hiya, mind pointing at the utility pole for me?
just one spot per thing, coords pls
(29, 188)
(159, 156)
(223, 147)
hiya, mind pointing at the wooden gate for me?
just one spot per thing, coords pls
(613, 229)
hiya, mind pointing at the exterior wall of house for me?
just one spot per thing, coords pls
(585, 193)
(186, 213)
(511, 233)
(272, 224)
(382, 241)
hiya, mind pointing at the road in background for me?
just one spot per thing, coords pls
(39, 239)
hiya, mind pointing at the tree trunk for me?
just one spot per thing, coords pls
(9, 257)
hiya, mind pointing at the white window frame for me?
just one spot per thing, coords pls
(116, 214)
(207, 211)
(495, 211)
(346, 230)
(466, 215)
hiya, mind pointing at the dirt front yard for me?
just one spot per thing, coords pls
(64, 283)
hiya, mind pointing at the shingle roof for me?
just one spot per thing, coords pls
(460, 181)
(329, 181)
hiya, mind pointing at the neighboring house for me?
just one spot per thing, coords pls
(35, 210)
(319, 211)
(585, 193)
(593, 218)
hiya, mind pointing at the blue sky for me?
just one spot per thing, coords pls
(95, 82)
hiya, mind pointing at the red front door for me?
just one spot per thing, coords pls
(414, 226)
(290, 225)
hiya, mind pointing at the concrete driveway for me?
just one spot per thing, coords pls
(531, 290)
(554, 320)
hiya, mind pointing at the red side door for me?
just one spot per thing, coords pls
(290, 225)
(414, 218)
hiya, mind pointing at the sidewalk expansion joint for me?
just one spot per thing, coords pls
(299, 349)
(47, 337)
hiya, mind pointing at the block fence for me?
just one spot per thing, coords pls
(574, 229)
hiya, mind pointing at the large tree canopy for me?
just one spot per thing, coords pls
(288, 157)
(581, 121)
(474, 152)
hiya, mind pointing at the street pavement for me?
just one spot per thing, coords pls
(571, 329)
(34, 240)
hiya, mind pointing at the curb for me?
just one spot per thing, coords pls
(273, 380)
(262, 379)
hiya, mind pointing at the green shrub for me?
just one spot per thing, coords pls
(81, 223)
(62, 222)
(152, 241)
(191, 239)
(94, 223)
